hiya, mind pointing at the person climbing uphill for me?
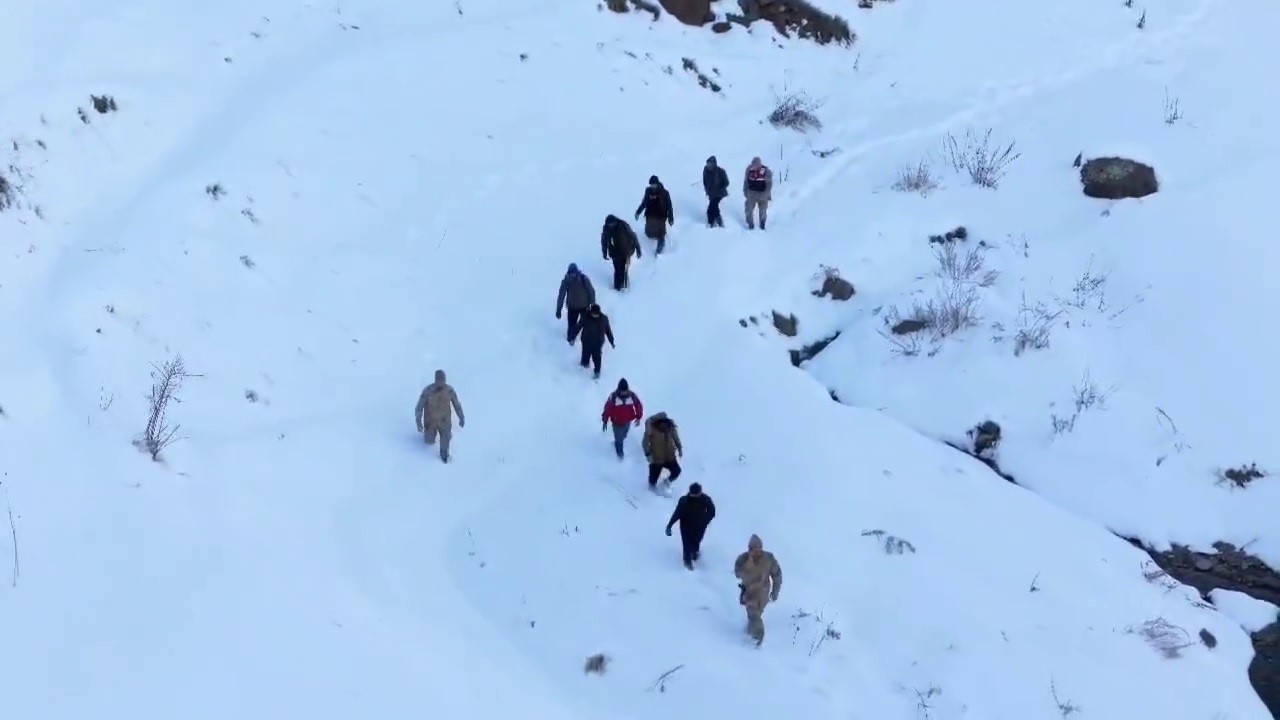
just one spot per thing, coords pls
(593, 326)
(618, 243)
(759, 582)
(757, 186)
(715, 182)
(576, 293)
(662, 446)
(658, 213)
(623, 409)
(434, 413)
(694, 511)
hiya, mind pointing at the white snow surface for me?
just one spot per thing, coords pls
(1252, 614)
(402, 188)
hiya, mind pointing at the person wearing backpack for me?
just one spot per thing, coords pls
(623, 409)
(576, 294)
(757, 186)
(618, 243)
(658, 213)
(715, 182)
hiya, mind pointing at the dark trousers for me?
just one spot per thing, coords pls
(656, 469)
(620, 267)
(591, 355)
(691, 542)
(574, 316)
(713, 212)
(656, 228)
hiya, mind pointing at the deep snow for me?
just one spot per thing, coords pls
(402, 189)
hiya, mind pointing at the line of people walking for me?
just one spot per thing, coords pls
(758, 572)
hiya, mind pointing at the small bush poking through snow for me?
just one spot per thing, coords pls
(166, 380)
(1240, 477)
(795, 110)
(970, 267)
(1163, 636)
(1085, 396)
(6, 194)
(597, 664)
(1033, 326)
(916, 178)
(976, 156)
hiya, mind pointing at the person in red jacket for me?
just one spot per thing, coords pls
(623, 409)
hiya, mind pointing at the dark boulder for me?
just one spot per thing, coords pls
(1115, 178)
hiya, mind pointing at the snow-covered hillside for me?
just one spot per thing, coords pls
(317, 205)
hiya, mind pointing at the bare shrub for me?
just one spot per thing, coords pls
(1163, 636)
(7, 193)
(893, 545)
(1033, 326)
(985, 162)
(167, 380)
(1089, 290)
(597, 664)
(969, 268)
(916, 178)
(1172, 109)
(1066, 707)
(795, 110)
(1085, 396)
(1240, 477)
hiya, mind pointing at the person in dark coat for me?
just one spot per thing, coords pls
(658, 213)
(618, 243)
(577, 294)
(593, 326)
(715, 182)
(694, 511)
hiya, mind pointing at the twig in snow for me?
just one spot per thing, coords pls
(1066, 708)
(13, 533)
(661, 682)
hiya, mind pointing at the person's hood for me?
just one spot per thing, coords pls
(755, 162)
(573, 269)
(653, 180)
(755, 543)
(611, 220)
(440, 377)
(711, 161)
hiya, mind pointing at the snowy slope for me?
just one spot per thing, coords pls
(398, 190)
(1158, 298)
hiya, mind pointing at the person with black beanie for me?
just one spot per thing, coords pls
(694, 511)
(658, 213)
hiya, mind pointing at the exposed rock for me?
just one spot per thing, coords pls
(906, 327)
(810, 351)
(788, 325)
(721, 27)
(985, 437)
(624, 6)
(690, 12)
(1115, 178)
(798, 16)
(836, 287)
(960, 233)
(1208, 639)
(1231, 569)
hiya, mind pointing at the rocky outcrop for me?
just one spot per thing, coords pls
(810, 351)
(1230, 568)
(798, 16)
(690, 12)
(1116, 178)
